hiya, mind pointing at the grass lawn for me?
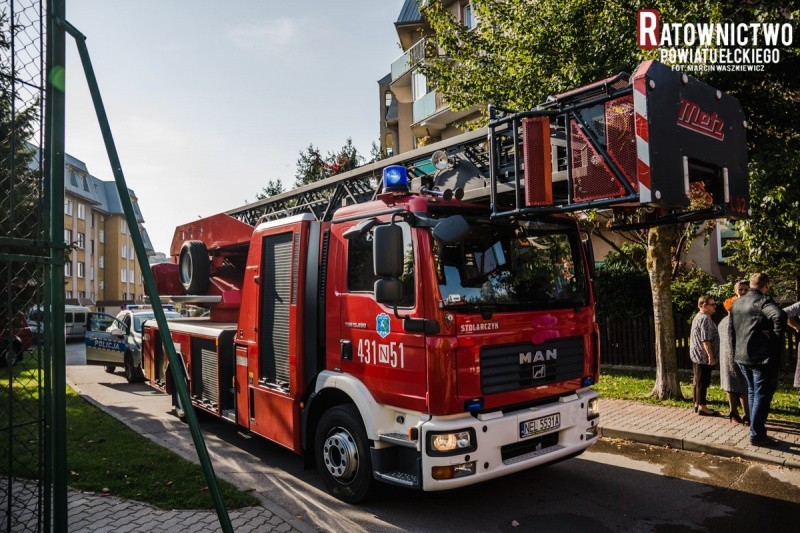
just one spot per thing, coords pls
(103, 454)
(633, 385)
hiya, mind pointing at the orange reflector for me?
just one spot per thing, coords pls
(442, 472)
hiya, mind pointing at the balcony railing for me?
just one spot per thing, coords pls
(427, 105)
(411, 57)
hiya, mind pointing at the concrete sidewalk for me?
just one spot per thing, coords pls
(679, 427)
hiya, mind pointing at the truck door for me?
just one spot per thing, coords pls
(373, 343)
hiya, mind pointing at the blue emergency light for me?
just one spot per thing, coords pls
(395, 179)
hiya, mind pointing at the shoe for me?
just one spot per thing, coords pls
(766, 442)
(695, 407)
(707, 413)
(746, 420)
(734, 417)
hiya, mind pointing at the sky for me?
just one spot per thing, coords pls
(207, 100)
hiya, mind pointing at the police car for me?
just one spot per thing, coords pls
(117, 341)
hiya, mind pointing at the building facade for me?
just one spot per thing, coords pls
(412, 113)
(101, 269)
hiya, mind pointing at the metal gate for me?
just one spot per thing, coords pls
(31, 258)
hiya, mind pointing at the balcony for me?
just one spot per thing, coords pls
(432, 114)
(401, 71)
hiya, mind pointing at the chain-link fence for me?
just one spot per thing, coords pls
(24, 253)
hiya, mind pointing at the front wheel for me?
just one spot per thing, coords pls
(110, 369)
(341, 449)
(133, 374)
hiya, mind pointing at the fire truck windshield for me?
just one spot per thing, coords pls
(536, 266)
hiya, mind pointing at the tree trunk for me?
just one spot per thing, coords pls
(659, 268)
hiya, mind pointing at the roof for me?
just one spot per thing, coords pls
(409, 13)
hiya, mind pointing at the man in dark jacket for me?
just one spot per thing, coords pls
(756, 333)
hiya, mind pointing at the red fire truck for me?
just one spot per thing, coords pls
(438, 329)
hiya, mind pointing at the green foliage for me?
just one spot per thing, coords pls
(687, 288)
(312, 167)
(273, 188)
(623, 286)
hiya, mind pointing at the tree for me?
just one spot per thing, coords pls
(311, 167)
(522, 51)
(273, 188)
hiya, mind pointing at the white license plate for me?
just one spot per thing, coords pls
(539, 425)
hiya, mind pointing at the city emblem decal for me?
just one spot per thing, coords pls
(382, 325)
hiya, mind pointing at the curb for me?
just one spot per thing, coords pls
(696, 446)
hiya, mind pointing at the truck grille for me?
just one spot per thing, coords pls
(204, 370)
(520, 366)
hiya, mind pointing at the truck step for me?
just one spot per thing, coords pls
(398, 478)
(230, 414)
(399, 439)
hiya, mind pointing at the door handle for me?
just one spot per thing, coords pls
(346, 350)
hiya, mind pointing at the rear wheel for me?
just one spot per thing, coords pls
(133, 373)
(341, 449)
(110, 369)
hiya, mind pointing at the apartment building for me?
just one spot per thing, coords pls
(412, 114)
(101, 270)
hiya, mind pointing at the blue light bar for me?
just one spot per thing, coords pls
(395, 179)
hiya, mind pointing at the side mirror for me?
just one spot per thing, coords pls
(451, 230)
(388, 291)
(387, 251)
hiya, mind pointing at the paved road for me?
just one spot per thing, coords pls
(614, 486)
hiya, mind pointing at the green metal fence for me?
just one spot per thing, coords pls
(32, 436)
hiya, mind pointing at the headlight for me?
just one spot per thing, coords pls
(593, 408)
(451, 442)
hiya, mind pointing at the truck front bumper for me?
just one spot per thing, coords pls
(500, 443)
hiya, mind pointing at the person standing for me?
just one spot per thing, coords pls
(703, 351)
(793, 312)
(731, 379)
(755, 333)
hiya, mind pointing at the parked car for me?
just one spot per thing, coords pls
(17, 343)
(74, 322)
(117, 341)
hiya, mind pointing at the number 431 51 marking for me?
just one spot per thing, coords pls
(373, 353)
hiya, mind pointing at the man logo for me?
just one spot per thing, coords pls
(539, 371)
(540, 356)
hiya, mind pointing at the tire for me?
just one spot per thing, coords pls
(133, 374)
(13, 358)
(110, 369)
(341, 450)
(194, 267)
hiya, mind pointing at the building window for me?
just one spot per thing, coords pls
(131, 252)
(102, 285)
(419, 85)
(68, 294)
(68, 236)
(92, 220)
(725, 235)
(68, 207)
(141, 279)
(81, 270)
(81, 211)
(387, 97)
(124, 251)
(389, 145)
(68, 268)
(91, 273)
(123, 228)
(93, 296)
(102, 262)
(124, 275)
(468, 17)
(124, 296)
(81, 294)
(102, 237)
(81, 241)
(91, 246)
(131, 277)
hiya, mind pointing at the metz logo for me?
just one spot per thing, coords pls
(692, 117)
(539, 356)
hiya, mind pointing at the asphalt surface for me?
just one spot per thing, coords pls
(149, 413)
